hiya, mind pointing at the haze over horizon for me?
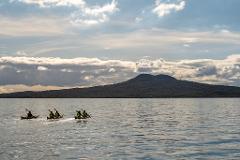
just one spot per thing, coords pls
(75, 43)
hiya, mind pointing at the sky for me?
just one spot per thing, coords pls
(55, 44)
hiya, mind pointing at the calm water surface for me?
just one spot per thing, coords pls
(122, 129)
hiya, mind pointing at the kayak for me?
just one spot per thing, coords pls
(82, 117)
(33, 117)
(55, 117)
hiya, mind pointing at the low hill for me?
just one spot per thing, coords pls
(142, 86)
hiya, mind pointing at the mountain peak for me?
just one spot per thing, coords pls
(144, 76)
(149, 77)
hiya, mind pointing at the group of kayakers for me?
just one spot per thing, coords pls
(55, 115)
(80, 114)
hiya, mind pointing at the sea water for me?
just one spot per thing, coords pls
(121, 129)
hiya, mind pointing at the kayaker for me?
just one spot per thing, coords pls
(51, 114)
(85, 114)
(79, 114)
(29, 114)
(57, 114)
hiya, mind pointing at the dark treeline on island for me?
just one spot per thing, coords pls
(142, 86)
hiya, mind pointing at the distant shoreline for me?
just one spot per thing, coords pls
(142, 86)
(121, 98)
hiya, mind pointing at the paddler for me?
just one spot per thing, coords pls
(57, 114)
(85, 114)
(51, 114)
(29, 114)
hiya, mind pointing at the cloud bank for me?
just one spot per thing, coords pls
(81, 72)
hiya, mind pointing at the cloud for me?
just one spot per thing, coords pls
(162, 9)
(207, 70)
(89, 16)
(138, 19)
(32, 26)
(82, 14)
(154, 42)
(21, 88)
(161, 40)
(61, 72)
(21, 53)
(54, 3)
(81, 72)
(234, 58)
